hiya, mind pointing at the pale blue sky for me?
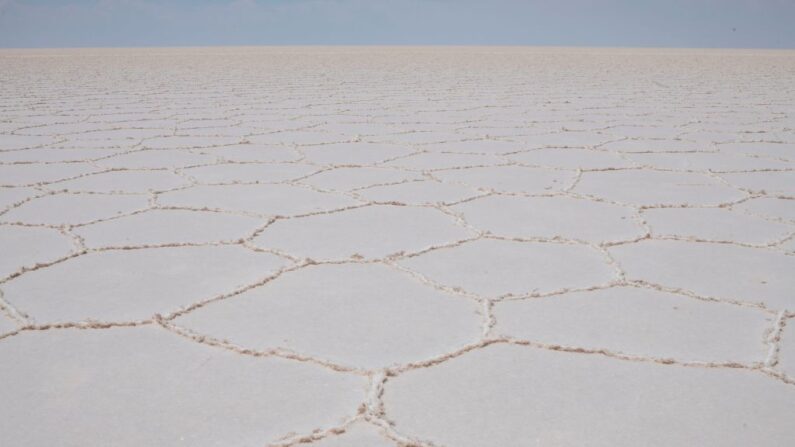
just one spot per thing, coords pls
(666, 23)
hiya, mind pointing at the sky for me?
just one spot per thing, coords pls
(622, 23)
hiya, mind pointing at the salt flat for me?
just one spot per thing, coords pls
(373, 247)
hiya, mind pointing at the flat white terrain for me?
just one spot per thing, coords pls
(383, 247)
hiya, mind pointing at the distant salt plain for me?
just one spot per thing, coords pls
(383, 247)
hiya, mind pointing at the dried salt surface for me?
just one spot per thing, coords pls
(707, 161)
(359, 315)
(764, 182)
(724, 271)
(357, 435)
(154, 159)
(524, 395)
(44, 155)
(655, 145)
(715, 224)
(248, 173)
(422, 192)
(562, 138)
(187, 141)
(72, 209)
(37, 174)
(370, 232)
(767, 149)
(130, 285)
(572, 158)
(357, 153)
(143, 386)
(298, 137)
(270, 200)
(486, 148)
(24, 247)
(9, 141)
(772, 208)
(495, 268)
(511, 179)
(12, 196)
(649, 188)
(139, 181)
(550, 217)
(640, 322)
(7, 325)
(350, 178)
(418, 137)
(508, 246)
(787, 351)
(430, 161)
(164, 227)
(252, 153)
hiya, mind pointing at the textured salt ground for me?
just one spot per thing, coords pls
(397, 247)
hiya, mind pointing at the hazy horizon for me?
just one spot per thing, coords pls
(568, 23)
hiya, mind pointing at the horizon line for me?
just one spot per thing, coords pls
(376, 45)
